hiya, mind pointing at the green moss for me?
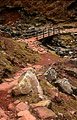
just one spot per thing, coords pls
(66, 37)
(30, 98)
(46, 86)
(65, 106)
(67, 40)
(53, 53)
(67, 103)
(14, 55)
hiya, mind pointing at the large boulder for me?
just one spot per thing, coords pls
(27, 82)
(51, 74)
(66, 86)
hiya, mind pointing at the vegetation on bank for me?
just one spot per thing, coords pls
(14, 55)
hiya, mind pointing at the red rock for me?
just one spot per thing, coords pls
(8, 96)
(9, 80)
(3, 118)
(44, 113)
(26, 114)
(2, 114)
(16, 102)
(57, 99)
(4, 86)
(37, 67)
(7, 86)
(11, 107)
(29, 65)
(54, 93)
(22, 118)
(22, 106)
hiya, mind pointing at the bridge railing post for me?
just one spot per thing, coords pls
(59, 30)
(53, 31)
(37, 35)
(48, 32)
(43, 33)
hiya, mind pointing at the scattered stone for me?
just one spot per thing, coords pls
(2, 114)
(22, 106)
(60, 115)
(43, 103)
(22, 118)
(5, 86)
(54, 92)
(11, 107)
(51, 74)
(16, 102)
(8, 96)
(65, 85)
(27, 82)
(29, 65)
(71, 71)
(26, 114)
(57, 99)
(44, 113)
(37, 67)
(74, 96)
(73, 61)
(73, 112)
(3, 118)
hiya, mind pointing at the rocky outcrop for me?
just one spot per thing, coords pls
(51, 74)
(66, 86)
(28, 82)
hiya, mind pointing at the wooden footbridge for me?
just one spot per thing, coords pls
(46, 32)
(43, 32)
(50, 31)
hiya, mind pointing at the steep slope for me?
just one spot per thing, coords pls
(14, 55)
(49, 9)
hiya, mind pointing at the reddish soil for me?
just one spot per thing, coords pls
(5, 99)
(48, 59)
(10, 16)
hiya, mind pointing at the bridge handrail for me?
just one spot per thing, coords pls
(47, 31)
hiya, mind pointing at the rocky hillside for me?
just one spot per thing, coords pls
(34, 10)
(14, 55)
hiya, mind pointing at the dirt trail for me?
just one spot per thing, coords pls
(47, 59)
